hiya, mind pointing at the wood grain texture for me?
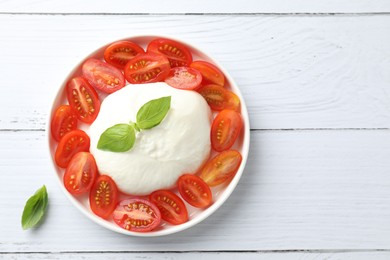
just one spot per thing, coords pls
(294, 72)
(199, 6)
(300, 190)
(207, 255)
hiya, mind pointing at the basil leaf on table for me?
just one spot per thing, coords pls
(153, 112)
(118, 138)
(35, 208)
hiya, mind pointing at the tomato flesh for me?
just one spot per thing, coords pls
(221, 168)
(172, 208)
(184, 78)
(137, 215)
(177, 54)
(64, 121)
(103, 76)
(119, 53)
(103, 196)
(80, 173)
(194, 190)
(211, 74)
(225, 129)
(147, 68)
(83, 99)
(220, 98)
(71, 143)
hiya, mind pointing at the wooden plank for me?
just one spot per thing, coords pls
(200, 6)
(294, 72)
(300, 190)
(207, 255)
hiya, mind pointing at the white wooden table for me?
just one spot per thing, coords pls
(316, 79)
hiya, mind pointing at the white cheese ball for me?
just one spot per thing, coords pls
(179, 144)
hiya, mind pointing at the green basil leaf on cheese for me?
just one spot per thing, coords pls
(118, 138)
(153, 112)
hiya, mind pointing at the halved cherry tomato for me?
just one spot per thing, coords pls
(71, 143)
(172, 208)
(147, 68)
(225, 129)
(64, 121)
(103, 196)
(119, 53)
(80, 173)
(184, 78)
(211, 74)
(221, 168)
(177, 54)
(137, 215)
(194, 190)
(233, 101)
(103, 76)
(83, 99)
(220, 98)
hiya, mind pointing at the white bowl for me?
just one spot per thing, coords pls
(220, 193)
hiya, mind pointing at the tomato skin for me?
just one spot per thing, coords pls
(71, 143)
(80, 173)
(137, 215)
(211, 74)
(147, 68)
(178, 54)
(64, 121)
(194, 191)
(172, 208)
(221, 168)
(233, 101)
(220, 98)
(103, 196)
(184, 78)
(83, 99)
(103, 76)
(225, 129)
(120, 52)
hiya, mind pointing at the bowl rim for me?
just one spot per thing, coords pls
(228, 190)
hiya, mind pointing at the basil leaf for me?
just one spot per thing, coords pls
(153, 112)
(35, 208)
(134, 125)
(118, 138)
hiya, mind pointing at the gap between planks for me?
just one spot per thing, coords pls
(309, 251)
(201, 14)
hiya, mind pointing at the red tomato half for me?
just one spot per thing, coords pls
(184, 78)
(221, 168)
(220, 98)
(225, 129)
(172, 208)
(71, 143)
(83, 99)
(177, 54)
(80, 173)
(194, 190)
(211, 74)
(103, 196)
(147, 68)
(119, 53)
(103, 76)
(137, 215)
(64, 121)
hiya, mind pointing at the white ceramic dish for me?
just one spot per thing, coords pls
(220, 193)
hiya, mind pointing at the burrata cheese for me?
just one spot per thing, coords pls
(179, 144)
